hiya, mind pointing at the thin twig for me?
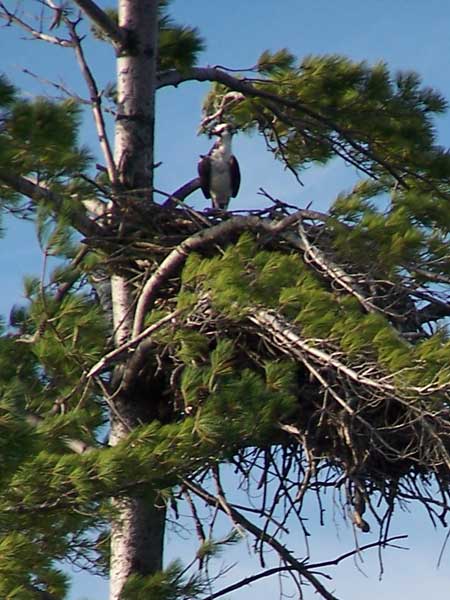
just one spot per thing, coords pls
(39, 35)
(96, 103)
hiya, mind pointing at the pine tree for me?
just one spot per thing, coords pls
(305, 349)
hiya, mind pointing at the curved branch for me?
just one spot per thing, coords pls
(199, 240)
(246, 87)
(24, 186)
(182, 193)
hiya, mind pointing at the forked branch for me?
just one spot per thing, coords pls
(238, 518)
(10, 17)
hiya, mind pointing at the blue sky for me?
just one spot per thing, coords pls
(407, 34)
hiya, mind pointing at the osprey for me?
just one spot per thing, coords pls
(218, 170)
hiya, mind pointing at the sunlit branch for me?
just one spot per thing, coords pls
(199, 240)
(246, 87)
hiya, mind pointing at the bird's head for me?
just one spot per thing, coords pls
(223, 130)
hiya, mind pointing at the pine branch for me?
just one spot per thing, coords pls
(273, 102)
(77, 446)
(200, 240)
(26, 187)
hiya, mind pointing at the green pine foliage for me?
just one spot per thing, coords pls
(169, 584)
(336, 106)
(244, 279)
(228, 394)
(179, 45)
(40, 136)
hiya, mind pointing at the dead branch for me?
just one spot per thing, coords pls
(333, 271)
(285, 555)
(275, 570)
(58, 86)
(108, 358)
(288, 339)
(96, 101)
(39, 35)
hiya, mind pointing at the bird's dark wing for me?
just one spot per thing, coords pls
(235, 176)
(204, 173)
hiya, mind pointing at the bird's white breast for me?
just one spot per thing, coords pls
(220, 176)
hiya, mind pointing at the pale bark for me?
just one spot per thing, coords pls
(136, 541)
(121, 309)
(136, 80)
(102, 20)
(137, 531)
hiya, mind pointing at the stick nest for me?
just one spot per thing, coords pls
(360, 427)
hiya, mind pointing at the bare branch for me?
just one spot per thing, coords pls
(249, 580)
(59, 86)
(108, 358)
(220, 502)
(52, 39)
(275, 570)
(338, 559)
(199, 240)
(96, 102)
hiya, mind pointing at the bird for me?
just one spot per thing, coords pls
(219, 173)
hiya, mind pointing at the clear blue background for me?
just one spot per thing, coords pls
(408, 35)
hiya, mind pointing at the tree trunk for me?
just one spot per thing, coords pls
(136, 79)
(137, 532)
(138, 529)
